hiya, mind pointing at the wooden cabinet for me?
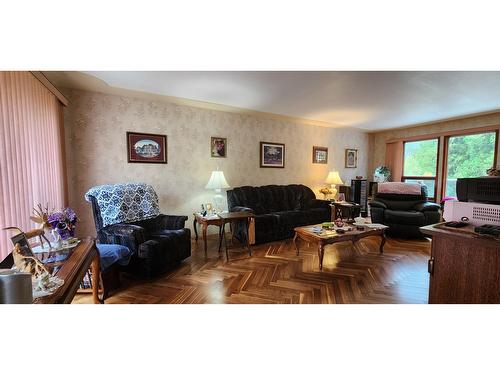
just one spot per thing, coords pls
(463, 268)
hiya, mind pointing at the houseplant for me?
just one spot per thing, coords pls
(382, 174)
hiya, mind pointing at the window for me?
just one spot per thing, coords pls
(468, 156)
(420, 163)
(31, 155)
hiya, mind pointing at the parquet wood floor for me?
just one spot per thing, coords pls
(274, 274)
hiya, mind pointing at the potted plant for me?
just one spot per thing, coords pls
(382, 174)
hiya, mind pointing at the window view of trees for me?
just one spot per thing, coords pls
(421, 158)
(469, 156)
(420, 161)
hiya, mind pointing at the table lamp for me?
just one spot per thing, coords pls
(333, 179)
(217, 182)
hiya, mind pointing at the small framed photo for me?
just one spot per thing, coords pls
(320, 155)
(272, 155)
(146, 148)
(218, 147)
(351, 158)
(341, 197)
(210, 208)
(23, 243)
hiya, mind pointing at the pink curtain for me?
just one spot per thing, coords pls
(31, 152)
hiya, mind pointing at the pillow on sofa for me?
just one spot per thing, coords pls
(399, 188)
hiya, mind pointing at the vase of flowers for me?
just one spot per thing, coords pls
(64, 223)
(326, 191)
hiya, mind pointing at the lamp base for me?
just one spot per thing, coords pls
(334, 192)
(218, 201)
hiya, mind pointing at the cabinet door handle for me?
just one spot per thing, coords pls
(430, 266)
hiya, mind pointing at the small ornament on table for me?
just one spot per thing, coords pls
(63, 224)
(40, 216)
(339, 223)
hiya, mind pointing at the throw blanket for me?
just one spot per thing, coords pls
(399, 188)
(125, 203)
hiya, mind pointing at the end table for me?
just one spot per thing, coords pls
(205, 221)
(344, 210)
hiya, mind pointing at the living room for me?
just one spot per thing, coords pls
(241, 185)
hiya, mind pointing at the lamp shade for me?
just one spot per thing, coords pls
(217, 181)
(334, 178)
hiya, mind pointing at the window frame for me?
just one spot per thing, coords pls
(444, 170)
(436, 174)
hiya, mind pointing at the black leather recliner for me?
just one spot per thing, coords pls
(404, 214)
(157, 244)
(278, 209)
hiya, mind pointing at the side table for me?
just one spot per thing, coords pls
(344, 210)
(204, 222)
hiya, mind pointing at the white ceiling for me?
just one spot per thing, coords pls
(365, 100)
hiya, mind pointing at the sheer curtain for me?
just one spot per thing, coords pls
(31, 152)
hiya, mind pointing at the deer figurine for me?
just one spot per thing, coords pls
(41, 217)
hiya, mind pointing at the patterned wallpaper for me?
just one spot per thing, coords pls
(96, 125)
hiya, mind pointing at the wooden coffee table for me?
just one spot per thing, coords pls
(306, 234)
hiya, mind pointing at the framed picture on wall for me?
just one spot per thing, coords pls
(272, 155)
(146, 148)
(320, 155)
(218, 147)
(351, 158)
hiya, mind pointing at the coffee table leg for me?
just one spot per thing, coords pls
(321, 252)
(96, 274)
(382, 242)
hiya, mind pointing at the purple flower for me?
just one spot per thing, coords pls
(70, 215)
(64, 222)
(55, 219)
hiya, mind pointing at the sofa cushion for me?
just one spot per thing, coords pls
(404, 217)
(292, 219)
(317, 215)
(267, 221)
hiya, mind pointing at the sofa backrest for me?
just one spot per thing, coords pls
(271, 198)
(400, 202)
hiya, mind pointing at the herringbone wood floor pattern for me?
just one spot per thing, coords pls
(274, 274)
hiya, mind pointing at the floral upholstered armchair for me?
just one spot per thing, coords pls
(128, 214)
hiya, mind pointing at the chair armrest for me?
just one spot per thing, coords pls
(426, 206)
(123, 234)
(241, 209)
(172, 221)
(378, 204)
(320, 203)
